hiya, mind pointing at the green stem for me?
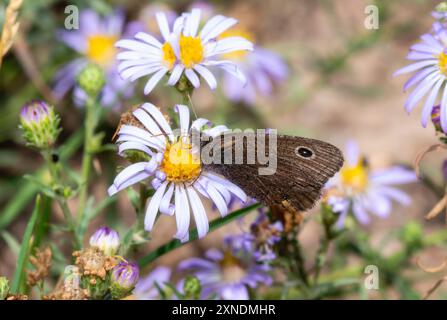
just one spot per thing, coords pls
(214, 225)
(90, 124)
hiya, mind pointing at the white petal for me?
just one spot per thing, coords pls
(443, 114)
(134, 145)
(163, 25)
(234, 189)
(159, 118)
(229, 67)
(217, 29)
(215, 131)
(207, 75)
(148, 39)
(152, 208)
(165, 206)
(192, 23)
(183, 112)
(182, 215)
(142, 136)
(175, 74)
(138, 46)
(154, 80)
(148, 122)
(216, 197)
(429, 103)
(199, 123)
(199, 212)
(414, 66)
(228, 45)
(193, 78)
(128, 172)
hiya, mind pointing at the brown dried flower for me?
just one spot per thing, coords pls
(42, 264)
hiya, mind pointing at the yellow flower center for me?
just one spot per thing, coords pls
(238, 32)
(355, 177)
(101, 49)
(180, 163)
(168, 55)
(191, 50)
(232, 270)
(442, 62)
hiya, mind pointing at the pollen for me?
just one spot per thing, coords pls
(442, 62)
(168, 55)
(355, 177)
(180, 163)
(101, 49)
(191, 50)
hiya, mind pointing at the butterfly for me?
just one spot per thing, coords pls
(303, 166)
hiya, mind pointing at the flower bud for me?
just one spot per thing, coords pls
(411, 234)
(92, 79)
(40, 124)
(192, 287)
(436, 118)
(4, 288)
(124, 278)
(107, 240)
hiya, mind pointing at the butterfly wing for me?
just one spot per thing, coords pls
(303, 166)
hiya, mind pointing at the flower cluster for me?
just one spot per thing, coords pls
(228, 274)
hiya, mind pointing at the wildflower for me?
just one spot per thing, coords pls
(262, 67)
(358, 189)
(147, 288)
(94, 41)
(430, 64)
(440, 11)
(123, 279)
(39, 124)
(184, 51)
(106, 239)
(227, 274)
(175, 169)
(4, 288)
(266, 235)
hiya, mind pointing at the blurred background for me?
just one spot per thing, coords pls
(339, 87)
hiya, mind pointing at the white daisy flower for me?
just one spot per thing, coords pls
(174, 168)
(146, 55)
(185, 51)
(197, 51)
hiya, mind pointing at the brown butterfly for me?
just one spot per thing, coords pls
(303, 166)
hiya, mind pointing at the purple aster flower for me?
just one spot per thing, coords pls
(358, 189)
(228, 273)
(106, 239)
(430, 66)
(95, 42)
(146, 288)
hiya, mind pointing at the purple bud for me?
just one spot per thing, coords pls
(436, 117)
(106, 239)
(34, 111)
(125, 276)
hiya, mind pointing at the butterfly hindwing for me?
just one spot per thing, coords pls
(303, 166)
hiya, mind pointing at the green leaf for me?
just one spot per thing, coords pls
(214, 225)
(25, 250)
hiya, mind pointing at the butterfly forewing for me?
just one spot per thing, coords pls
(302, 168)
